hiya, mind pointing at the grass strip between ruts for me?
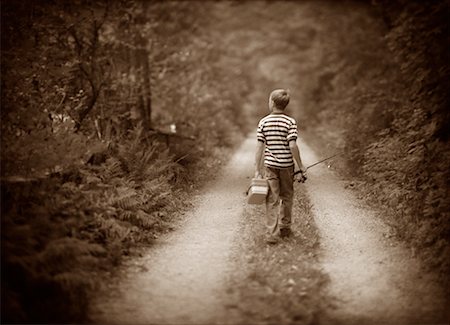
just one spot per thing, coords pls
(281, 283)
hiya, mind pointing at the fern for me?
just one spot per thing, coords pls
(138, 218)
(126, 215)
(112, 168)
(127, 203)
(146, 221)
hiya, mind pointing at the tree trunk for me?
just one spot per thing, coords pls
(143, 71)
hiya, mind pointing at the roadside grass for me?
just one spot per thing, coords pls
(281, 283)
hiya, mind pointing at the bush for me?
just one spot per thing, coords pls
(382, 99)
(56, 231)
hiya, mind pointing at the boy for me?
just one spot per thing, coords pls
(277, 135)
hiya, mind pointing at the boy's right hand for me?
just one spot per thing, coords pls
(300, 176)
(258, 174)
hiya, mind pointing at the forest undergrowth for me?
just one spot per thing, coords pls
(62, 232)
(380, 99)
(109, 123)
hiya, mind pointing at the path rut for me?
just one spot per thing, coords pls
(185, 274)
(374, 279)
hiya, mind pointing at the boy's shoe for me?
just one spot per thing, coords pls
(272, 240)
(285, 232)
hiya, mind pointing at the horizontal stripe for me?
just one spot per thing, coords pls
(280, 159)
(279, 152)
(276, 142)
(275, 128)
(279, 165)
(284, 150)
(277, 123)
(280, 156)
(279, 134)
(268, 164)
(274, 137)
(268, 126)
(280, 162)
(283, 156)
(279, 147)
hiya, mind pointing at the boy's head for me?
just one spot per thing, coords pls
(279, 99)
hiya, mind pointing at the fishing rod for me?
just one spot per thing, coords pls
(319, 162)
(304, 178)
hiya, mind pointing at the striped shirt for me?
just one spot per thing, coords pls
(275, 131)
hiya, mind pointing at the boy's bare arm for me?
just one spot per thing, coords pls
(296, 155)
(259, 159)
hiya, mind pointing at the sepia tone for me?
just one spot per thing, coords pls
(129, 152)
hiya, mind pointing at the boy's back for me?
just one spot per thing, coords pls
(275, 131)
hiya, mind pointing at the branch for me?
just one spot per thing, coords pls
(78, 44)
(85, 112)
(105, 15)
(62, 101)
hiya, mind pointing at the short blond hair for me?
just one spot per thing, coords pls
(280, 98)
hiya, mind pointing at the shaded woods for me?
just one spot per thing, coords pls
(113, 112)
(382, 98)
(110, 112)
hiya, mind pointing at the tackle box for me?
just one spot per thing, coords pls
(258, 190)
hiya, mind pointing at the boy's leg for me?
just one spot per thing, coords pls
(286, 195)
(272, 201)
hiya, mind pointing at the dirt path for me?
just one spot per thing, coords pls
(182, 279)
(373, 278)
